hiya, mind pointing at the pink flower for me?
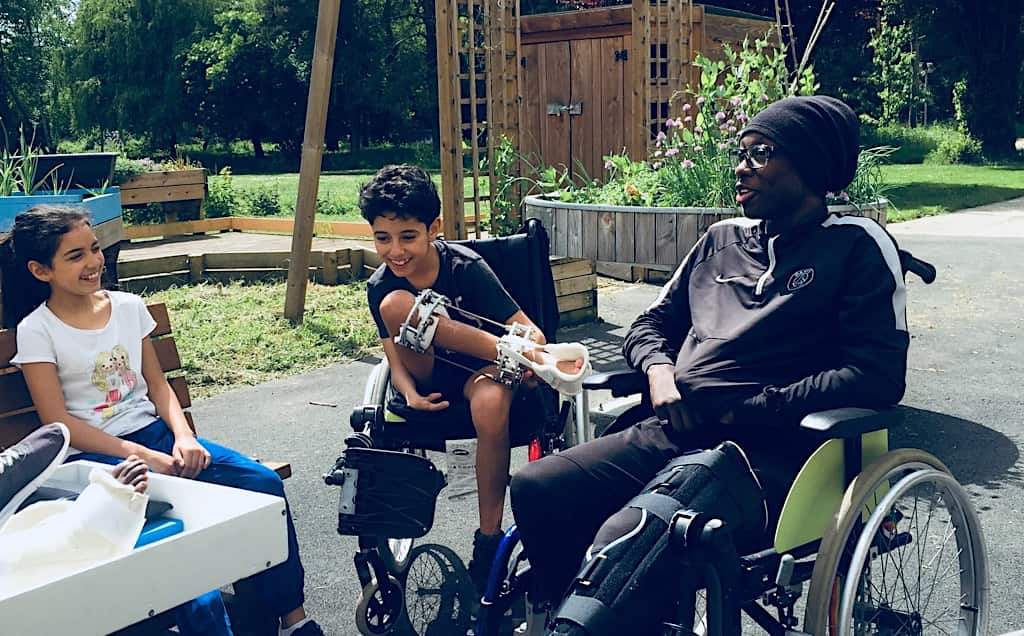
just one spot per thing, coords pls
(764, 97)
(722, 146)
(662, 136)
(608, 165)
(688, 119)
(657, 153)
(720, 116)
(671, 123)
(687, 164)
(732, 128)
(698, 129)
(697, 148)
(735, 101)
(729, 122)
(671, 152)
(686, 107)
(844, 196)
(700, 101)
(741, 117)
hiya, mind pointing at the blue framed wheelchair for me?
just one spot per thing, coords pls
(389, 486)
(885, 541)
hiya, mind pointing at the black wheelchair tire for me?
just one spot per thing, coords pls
(381, 608)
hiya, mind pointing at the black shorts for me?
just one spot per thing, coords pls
(448, 379)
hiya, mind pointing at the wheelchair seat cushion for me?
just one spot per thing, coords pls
(533, 411)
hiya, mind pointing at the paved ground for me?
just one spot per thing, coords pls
(965, 380)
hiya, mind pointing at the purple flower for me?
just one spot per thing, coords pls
(697, 148)
(700, 101)
(687, 164)
(661, 135)
(671, 123)
(720, 116)
(729, 122)
(608, 165)
(657, 153)
(735, 101)
(741, 117)
(764, 97)
(698, 129)
(732, 128)
(688, 119)
(722, 146)
(671, 152)
(686, 107)
(844, 196)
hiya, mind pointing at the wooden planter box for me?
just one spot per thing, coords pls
(622, 238)
(575, 290)
(165, 187)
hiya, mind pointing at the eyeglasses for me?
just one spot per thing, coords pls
(756, 156)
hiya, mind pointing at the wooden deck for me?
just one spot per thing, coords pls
(226, 243)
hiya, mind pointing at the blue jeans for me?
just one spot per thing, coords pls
(279, 589)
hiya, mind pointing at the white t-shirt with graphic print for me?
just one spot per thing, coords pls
(100, 370)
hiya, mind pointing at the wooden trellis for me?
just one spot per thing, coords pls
(665, 29)
(478, 95)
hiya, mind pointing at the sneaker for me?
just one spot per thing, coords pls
(485, 546)
(29, 463)
(305, 627)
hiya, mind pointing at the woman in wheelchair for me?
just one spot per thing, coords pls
(788, 311)
(438, 359)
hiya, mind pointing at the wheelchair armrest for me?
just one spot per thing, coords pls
(621, 383)
(850, 421)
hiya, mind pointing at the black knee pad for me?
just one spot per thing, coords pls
(629, 579)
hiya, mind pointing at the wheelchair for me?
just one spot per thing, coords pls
(388, 485)
(885, 541)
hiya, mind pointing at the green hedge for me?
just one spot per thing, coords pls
(938, 143)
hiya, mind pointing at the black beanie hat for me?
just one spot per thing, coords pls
(819, 134)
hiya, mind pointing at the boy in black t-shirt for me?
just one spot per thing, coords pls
(402, 206)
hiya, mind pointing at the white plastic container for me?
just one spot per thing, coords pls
(229, 534)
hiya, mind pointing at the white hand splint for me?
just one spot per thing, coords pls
(513, 345)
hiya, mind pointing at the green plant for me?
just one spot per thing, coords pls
(960, 147)
(263, 200)
(125, 169)
(223, 198)
(150, 214)
(869, 184)
(896, 66)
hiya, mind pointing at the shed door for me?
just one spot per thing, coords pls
(575, 109)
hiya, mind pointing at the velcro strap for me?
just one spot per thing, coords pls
(590, 614)
(657, 504)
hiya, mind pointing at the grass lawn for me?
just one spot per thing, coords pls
(342, 188)
(235, 335)
(922, 190)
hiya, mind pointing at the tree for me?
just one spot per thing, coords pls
(243, 79)
(896, 68)
(125, 65)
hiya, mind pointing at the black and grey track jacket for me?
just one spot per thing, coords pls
(775, 327)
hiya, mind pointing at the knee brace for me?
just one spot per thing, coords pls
(417, 332)
(631, 574)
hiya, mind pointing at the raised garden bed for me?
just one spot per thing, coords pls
(167, 186)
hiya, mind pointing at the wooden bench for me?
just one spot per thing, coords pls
(18, 415)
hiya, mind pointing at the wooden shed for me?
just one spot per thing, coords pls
(566, 88)
(599, 81)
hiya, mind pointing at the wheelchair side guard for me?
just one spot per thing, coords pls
(620, 383)
(818, 489)
(385, 493)
(850, 421)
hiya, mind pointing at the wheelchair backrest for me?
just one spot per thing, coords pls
(521, 263)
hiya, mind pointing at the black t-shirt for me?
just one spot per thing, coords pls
(463, 277)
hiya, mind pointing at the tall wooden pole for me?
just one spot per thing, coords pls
(312, 154)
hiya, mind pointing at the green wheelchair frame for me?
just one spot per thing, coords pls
(843, 529)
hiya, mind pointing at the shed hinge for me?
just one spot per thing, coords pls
(622, 56)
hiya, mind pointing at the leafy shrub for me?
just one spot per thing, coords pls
(335, 206)
(149, 214)
(224, 197)
(125, 169)
(912, 144)
(262, 200)
(957, 147)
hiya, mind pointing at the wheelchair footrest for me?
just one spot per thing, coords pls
(386, 493)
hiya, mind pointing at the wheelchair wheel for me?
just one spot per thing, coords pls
(904, 555)
(438, 592)
(380, 607)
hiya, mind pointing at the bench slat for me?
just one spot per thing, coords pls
(13, 428)
(8, 346)
(13, 393)
(163, 321)
(167, 354)
(180, 387)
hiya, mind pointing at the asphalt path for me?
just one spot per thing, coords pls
(965, 384)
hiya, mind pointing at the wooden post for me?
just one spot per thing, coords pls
(312, 154)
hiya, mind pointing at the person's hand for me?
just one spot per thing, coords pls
(192, 458)
(432, 402)
(133, 472)
(160, 462)
(668, 403)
